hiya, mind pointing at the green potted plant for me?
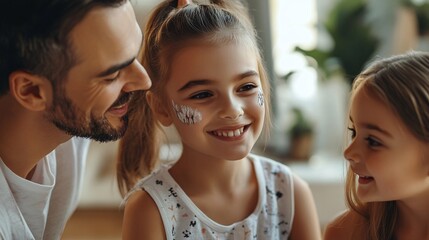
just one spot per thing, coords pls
(301, 135)
(353, 42)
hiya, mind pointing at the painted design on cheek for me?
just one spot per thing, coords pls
(186, 114)
(260, 98)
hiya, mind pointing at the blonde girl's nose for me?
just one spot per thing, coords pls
(231, 109)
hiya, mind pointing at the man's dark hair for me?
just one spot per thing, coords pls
(34, 36)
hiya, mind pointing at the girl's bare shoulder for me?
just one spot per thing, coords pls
(347, 225)
(142, 219)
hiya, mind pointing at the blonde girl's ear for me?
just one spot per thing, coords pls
(159, 109)
(31, 91)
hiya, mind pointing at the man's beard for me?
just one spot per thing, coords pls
(70, 119)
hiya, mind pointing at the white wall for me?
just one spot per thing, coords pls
(142, 9)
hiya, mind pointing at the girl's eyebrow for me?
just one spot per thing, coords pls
(193, 83)
(249, 73)
(371, 126)
(198, 82)
(376, 128)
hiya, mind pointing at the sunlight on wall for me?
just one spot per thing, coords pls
(294, 24)
(304, 84)
(299, 24)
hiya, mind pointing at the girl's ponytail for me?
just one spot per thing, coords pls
(138, 149)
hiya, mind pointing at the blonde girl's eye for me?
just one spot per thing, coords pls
(247, 87)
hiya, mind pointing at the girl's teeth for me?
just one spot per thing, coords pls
(237, 132)
(234, 133)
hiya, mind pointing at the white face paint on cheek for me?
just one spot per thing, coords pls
(186, 114)
(260, 98)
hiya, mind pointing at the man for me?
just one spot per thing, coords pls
(67, 68)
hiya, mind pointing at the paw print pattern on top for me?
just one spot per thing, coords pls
(183, 220)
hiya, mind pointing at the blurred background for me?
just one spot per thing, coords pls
(313, 49)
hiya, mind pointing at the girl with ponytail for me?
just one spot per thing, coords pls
(208, 81)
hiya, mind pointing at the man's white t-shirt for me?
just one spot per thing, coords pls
(40, 208)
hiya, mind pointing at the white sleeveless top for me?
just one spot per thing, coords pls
(272, 218)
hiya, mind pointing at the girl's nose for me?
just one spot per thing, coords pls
(231, 109)
(350, 152)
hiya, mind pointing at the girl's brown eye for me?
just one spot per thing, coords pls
(201, 95)
(247, 87)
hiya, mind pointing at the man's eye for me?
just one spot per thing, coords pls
(201, 95)
(114, 78)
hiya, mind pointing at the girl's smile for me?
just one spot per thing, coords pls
(362, 177)
(230, 134)
(365, 179)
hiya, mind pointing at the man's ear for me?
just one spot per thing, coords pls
(159, 110)
(31, 91)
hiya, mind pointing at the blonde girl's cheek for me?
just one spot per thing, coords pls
(260, 98)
